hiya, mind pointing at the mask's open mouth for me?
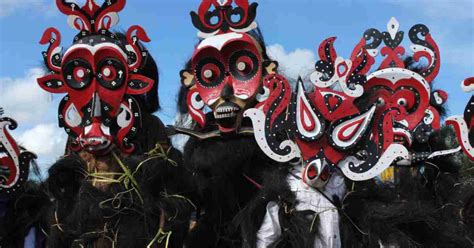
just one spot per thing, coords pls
(401, 134)
(95, 143)
(227, 114)
(96, 138)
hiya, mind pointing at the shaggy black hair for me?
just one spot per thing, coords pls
(223, 171)
(65, 179)
(26, 211)
(82, 214)
(429, 206)
(298, 226)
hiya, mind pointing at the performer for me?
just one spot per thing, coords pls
(22, 203)
(300, 203)
(224, 77)
(358, 126)
(120, 183)
(420, 201)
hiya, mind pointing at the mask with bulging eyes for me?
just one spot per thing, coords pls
(99, 73)
(226, 75)
(403, 108)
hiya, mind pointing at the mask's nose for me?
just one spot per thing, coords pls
(95, 136)
(92, 134)
(228, 91)
(96, 109)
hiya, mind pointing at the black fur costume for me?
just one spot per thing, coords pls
(430, 205)
(220, 168)
(22, 213)
(82, 208)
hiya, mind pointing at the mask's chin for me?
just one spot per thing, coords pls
(228, 116)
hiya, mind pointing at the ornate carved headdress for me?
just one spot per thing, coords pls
(100, 72)
(359, 122)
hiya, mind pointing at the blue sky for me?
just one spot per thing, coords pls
(292, 28)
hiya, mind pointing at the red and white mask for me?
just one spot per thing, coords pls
(361, 124)
(406, 106)
(227, 67)
(99, 73)
(328, 123)
(227, 73)
(403, 107)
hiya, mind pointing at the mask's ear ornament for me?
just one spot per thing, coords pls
(100, 73)
(269, 120)
(464, 125)
(195, 103)
(219, 16)
(14, 160)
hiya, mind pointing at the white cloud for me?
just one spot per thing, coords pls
(45, 140)
(299, 62)
(9, 7)
(22, 98)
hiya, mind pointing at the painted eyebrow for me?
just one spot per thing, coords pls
(94, 49)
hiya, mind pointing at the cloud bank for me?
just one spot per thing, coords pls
(22, 98)
(299, 62)
(10, 7)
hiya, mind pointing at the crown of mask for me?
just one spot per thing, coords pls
(216, 17)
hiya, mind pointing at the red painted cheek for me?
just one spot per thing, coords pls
(113, 98)
(249, 88)
(81, 98)
(209, 94)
